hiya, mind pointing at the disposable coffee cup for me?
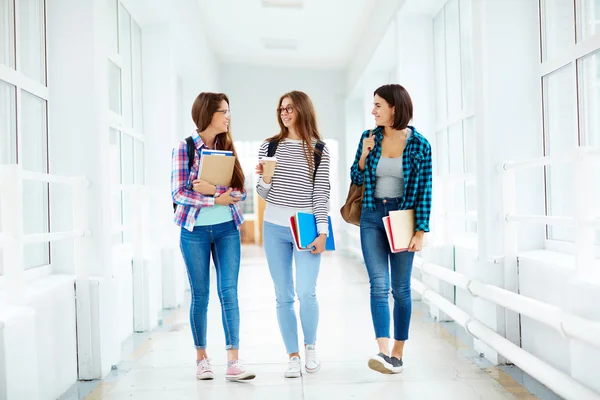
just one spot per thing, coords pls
(269, 164)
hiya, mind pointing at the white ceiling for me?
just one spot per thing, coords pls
(325, 32)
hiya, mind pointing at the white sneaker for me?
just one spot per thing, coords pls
(294, 368)
(312, 364)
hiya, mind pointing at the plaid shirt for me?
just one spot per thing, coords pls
(189, 202)
(417, 168)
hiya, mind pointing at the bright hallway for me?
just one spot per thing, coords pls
(439, 364)
(96, 94)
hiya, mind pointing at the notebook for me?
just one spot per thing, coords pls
(304, 231)
(216, 166)
(400, 229)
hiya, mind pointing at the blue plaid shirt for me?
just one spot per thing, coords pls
(417, 166)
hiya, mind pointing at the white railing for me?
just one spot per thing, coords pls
(568, 325)
(558, 381)
(13, 239)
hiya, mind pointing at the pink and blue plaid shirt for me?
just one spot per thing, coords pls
(189, 202)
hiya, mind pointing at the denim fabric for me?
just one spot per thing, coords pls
(380, 261)
(280, 251)
(223, 241)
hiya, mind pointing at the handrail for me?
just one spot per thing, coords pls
(568, 325)
(49, 178)
(561, 383)
(53, 236)
(549, 160)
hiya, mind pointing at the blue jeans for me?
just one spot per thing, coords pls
(223, 241)
(280, 250)
(379, 261)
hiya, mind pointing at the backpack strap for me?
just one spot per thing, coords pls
(318, 153)
(191, 153)
(272, 148)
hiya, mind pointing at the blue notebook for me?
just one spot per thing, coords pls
(304, 230)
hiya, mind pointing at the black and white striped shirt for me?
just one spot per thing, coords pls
(291, 189)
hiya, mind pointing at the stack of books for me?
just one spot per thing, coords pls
(400, 229)
(216, 166)
(304, 231)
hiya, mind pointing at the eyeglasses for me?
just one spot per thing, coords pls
(289, 109)
(224, 112)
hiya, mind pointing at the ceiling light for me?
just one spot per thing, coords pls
(297, 4)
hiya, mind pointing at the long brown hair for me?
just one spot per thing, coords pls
(305, 125)
(203, 109)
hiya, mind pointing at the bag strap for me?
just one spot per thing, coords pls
(272, 148)
(318, 153)
(191, 151)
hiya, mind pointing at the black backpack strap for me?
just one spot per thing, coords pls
(318, 153)
(191, 153)
(272, 148)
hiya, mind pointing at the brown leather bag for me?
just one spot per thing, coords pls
(352, 208)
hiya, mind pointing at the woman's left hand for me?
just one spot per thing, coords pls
(318, 245)
(204, 187)
(416, 243)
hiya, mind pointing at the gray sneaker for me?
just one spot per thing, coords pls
(381, 363)
(397, 365)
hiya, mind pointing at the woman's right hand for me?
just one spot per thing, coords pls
(368, 145)
(259, 168)
(226, 199)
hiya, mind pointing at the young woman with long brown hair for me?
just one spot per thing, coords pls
(210, 217)
(297, 185)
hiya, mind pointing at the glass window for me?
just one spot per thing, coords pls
(127, 178)
(114, 87)
(125, 52)
(8, 123)
(139, 162)
(589, 104)
(112, 33)
(7, 33)
(136, 65)
(560, 137)
(115, 181)
(456, 149)
(466, 55)
(453, 81)
(33, 131)
(440, 67)
(32, 39)
(589, 18)
(441, 148)
(558, 19)
(469, 148)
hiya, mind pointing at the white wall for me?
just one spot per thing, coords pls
(255, 91)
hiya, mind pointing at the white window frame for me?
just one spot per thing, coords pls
(118, 123)
(570, 56)
(21, 82)
(443, 125)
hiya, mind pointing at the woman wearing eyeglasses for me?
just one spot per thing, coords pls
(297, 185)
(210, 217)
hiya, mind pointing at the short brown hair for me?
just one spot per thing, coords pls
(397, 96)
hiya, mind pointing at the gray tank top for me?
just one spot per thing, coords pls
(390, 178)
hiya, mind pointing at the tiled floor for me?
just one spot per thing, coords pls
(162, 366)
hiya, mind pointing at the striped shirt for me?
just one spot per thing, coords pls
(189, 202)
(292, 188)
(416, 168)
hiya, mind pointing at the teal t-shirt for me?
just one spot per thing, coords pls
(214, 215)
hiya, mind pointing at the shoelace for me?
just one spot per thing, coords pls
(205, 364)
